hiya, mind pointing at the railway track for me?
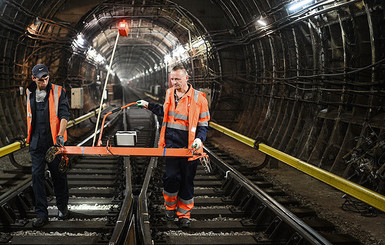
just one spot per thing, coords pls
(236, 205)
(94, 187)
(118, 200)
(98, 188)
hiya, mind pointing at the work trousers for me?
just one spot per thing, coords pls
(178, 185)
(59, 180)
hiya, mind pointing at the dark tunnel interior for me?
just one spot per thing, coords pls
(308, 79)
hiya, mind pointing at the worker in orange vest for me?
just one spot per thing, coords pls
(47, 118)
(185, 124)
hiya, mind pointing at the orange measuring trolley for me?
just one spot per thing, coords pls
(107, 150)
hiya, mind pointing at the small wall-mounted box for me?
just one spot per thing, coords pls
(77, 96)
(125, 138)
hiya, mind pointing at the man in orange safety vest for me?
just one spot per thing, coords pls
(47, 118)
(185, 124)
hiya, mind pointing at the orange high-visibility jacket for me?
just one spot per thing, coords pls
(53, 102)
(190, 113)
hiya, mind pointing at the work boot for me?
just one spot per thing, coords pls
(170, 215)
(63, 214)
(184, 223)
(40, 222)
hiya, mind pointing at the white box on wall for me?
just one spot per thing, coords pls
(77, 100)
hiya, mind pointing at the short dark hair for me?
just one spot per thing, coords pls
(179, 67)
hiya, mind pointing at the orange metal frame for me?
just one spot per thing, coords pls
(124, 151)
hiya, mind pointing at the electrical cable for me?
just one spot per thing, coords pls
(354, 205)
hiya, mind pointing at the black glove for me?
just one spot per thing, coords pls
(59, 140)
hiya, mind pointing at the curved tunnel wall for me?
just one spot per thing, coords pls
(310, 82)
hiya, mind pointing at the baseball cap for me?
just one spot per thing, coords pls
(39, 70)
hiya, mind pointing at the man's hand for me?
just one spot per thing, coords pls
(142, 103)
(197, 144)
(59, 140)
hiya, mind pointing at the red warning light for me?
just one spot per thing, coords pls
(123, 28)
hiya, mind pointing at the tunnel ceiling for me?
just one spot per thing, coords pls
(155, 30)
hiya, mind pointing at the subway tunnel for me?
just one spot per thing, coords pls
(306, 77)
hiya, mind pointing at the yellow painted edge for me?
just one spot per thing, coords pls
(244, 139)
(366, 195)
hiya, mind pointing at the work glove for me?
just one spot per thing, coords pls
(59, 140)
(142, 103)
(197, 144)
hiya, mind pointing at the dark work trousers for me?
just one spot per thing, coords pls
(179, 176)
(39, 144)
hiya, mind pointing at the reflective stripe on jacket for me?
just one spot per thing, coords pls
(53, 103)
(189, 114)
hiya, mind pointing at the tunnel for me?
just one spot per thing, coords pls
(305, 77)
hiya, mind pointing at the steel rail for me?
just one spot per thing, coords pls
(123, 223)
(11, 193)
(8, 149)
(355, 190)
(308, 233)
(144, 230)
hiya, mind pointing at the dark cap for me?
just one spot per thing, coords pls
(39, 70)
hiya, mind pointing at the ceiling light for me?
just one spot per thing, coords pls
(178, 51)
(299, 4)
(167, 58)
(99, 58)
(37, 21)
(199, 43)
(261, 22)
(80, 40)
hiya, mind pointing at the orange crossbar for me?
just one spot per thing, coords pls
(125, 151)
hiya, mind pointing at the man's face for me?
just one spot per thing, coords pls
(178, 79)
(41, 82)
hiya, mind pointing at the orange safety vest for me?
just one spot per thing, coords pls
(190, 113)
(53, 102)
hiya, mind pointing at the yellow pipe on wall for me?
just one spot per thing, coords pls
(366, 195)
(8, 149)
(84, 117)
(244, 139)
